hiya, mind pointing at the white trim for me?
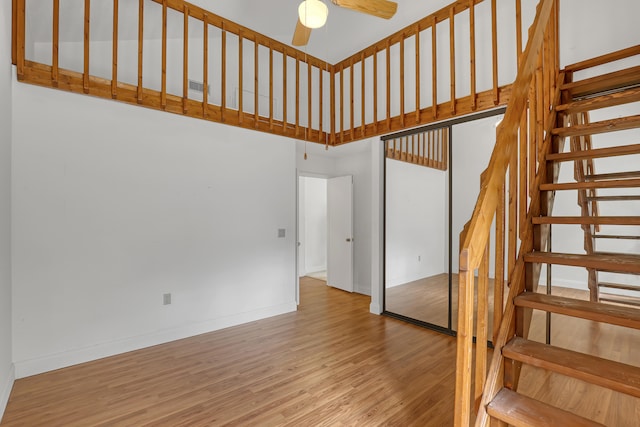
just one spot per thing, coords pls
(6, 390)
(50, 362)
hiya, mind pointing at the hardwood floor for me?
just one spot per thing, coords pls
(330, 363)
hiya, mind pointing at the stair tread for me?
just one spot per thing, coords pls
(620, 299)
(619, 286)
(603, 262)
(620, 150)
(596, 370)
(614, 175)
(613, 198)
(612, 183)
(614, 315)
(610, 125)
(521, 411)
(602, 101)
(615, 236)
(602, 220)
(603, 83)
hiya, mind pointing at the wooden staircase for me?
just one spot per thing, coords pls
(598, 193)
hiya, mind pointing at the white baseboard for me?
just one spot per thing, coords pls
(6, 387)
(51, 362)
(362, 290)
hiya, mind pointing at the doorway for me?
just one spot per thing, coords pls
(325, 230)
(312, 227)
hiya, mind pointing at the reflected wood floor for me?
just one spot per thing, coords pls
(329, 363)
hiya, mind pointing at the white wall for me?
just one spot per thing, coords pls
(115, 205)
(6, 367)
(416, 222)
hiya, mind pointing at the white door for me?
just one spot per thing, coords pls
(340, 233)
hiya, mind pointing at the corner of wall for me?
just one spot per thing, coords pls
(6, 387)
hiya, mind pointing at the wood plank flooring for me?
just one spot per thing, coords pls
(330, 363)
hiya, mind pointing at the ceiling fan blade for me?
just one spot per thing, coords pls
(380, 8)
(301, 35)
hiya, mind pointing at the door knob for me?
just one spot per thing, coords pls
(349, 240)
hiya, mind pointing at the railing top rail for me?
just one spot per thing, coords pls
(480, 226)
(604, 59)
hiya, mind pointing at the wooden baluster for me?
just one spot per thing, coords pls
(297, 96)
(332, 104)
(309, 102)
(320, 100)
(472, 51)
(223, 72)
(341, 104)
(20, 33)
(388, 84)
(351, 101)
(513, 212)
(482, 326)
(362, 101)
(14, 32)
(256, 87)
(417, 73)
(464, 345)
(114, 54)
(434, 69)
(375, 90)
(533, 135)
(185, 60)
(522, 168)
(452, 50)
(87, 19)
(284, 91)
(205, 65)
(518, 29)
(140, 46)
(163, 91)
(240, 77)
(445, 145)
(402, 80)
(498, 291)
(270, 87)
(494, 50)
(55, 41)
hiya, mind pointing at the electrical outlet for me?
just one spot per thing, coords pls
(166, 299)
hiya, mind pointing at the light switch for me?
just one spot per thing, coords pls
(281, 232)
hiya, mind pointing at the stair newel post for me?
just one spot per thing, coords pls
(464, 353)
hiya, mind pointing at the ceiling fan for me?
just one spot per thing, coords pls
(313, 14)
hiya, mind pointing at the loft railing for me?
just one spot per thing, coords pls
(419, 75)
(508, 198)
(245, 78)
(427, 148)
(155, 52)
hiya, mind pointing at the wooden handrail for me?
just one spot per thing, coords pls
(532, 89)
(604, 59)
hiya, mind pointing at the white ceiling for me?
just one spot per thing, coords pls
(345, 33)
